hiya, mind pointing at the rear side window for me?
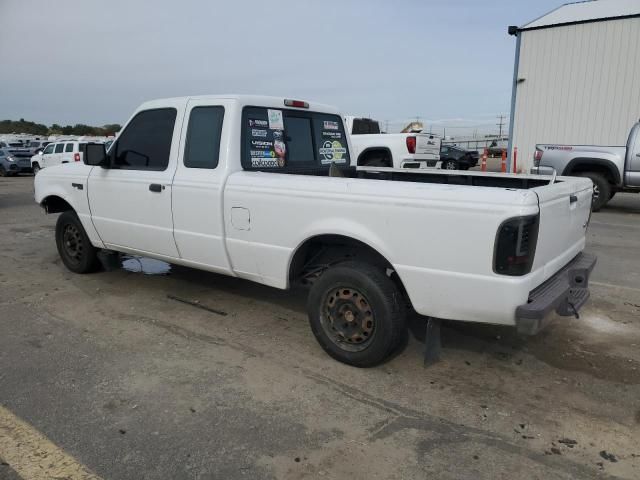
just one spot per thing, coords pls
(282, 139)
(145, 143)
(59, 147)
(202, 148)
(82, 147)
(68, 147)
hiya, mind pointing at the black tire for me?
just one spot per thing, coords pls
(601, 190)
(74, 246)
(3, 172)
(611, 195)
(357, 314)
(450, 165)
(35, 168)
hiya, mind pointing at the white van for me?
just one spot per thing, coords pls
(57, 153)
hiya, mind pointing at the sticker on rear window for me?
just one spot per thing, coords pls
(330, 125)
(254, 122)
(257, 132)
(332, 151)
(275, 119)
(332, 135)
(258, 162)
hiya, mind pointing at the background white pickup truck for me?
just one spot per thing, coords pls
(371, 148)
(245, 186)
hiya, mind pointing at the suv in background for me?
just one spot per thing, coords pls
(456, 158)
(58, 153)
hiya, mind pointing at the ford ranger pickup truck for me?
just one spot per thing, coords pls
(263, 189)
(612, 169)
(371, 148)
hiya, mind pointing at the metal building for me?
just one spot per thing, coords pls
(576, 77)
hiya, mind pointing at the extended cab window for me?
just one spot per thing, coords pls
(59, 147)
(284, 139)
(202, 147)
(68, 147)
(145, 143)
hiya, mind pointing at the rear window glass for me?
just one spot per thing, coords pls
(59, 147)
(68, 147)
(282, 139)
(363, 126)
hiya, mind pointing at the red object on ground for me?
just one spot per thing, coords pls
(484, 161)
(503, 164)
(515, 160)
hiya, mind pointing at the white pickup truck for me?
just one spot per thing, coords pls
(261, 188)
(371, 148)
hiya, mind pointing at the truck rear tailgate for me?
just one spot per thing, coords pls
(427, 144)
(565, 209)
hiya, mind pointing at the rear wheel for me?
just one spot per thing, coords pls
(601, 189)
(450, 165)
(74, 246)
(357, 314)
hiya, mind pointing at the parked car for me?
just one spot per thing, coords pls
(13, 162)
(611, 169)
(456, 158)
(269, 196)
(37, 146)
(398, 150)
(57, 153)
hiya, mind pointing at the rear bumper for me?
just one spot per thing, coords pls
(565, 293)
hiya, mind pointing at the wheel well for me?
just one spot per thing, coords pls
(586, 165)
(55, 204)
(382, 154)
(318, 253)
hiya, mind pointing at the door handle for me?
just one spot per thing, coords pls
(573, 199)
(156, 187)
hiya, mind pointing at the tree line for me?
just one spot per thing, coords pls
(24, 126)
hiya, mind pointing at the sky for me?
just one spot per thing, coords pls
(448, 62)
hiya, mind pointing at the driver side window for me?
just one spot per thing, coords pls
(49, 149)
(145, 143)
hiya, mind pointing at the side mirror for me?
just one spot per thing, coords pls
(96, 155)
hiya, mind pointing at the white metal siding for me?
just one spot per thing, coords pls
(582, 85)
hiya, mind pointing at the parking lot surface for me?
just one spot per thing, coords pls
(112, 375)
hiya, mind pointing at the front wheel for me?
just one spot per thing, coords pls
(74, 246)
(357, 314)
(35, 168)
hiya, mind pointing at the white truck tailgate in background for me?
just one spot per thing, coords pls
(426, 145)
(565, 207)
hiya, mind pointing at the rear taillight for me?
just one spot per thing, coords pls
(76, 157)
(516, 246)
(537, 156)
(411, 144)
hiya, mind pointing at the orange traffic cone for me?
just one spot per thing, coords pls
(483, 166)
(503, 164)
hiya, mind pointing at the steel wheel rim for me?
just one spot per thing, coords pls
(450, 165)
(596, 191)
(72, 243)
(347, 319)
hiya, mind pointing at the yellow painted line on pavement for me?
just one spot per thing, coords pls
(33, 456)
